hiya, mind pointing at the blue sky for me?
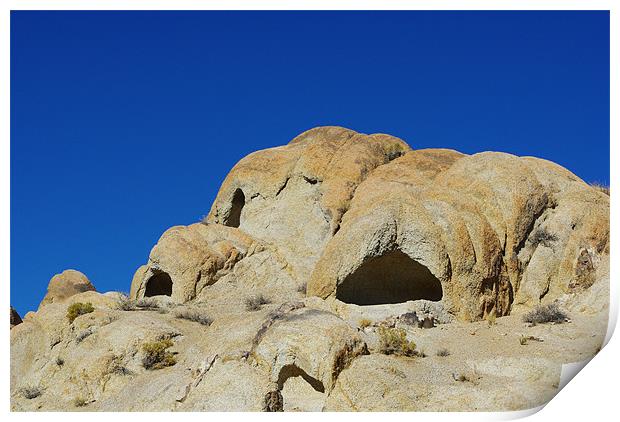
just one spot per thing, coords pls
(125, 123)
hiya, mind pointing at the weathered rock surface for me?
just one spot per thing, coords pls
(64, 285)
(277, 301)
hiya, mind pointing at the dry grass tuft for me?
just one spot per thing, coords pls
(156, 355)
(76, 309)
(393, 341)
(543, 314)
(254, 303)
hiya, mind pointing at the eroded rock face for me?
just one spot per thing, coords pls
(64, 285)
(469, 224)
(188, 258)
(295, 196)
(366, 220)
(311, 250)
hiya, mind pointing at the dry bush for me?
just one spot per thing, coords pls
(365, 322)
(274, 402)
(116, 366)
(543, 237)
(393, 341)
(147, 304)
(600, 187)
(80, 401)
(194, 315)
(254, 303)
(124, 303)
(156, 355)
(443, 352)
(83, 334)
(31, 392)
(544, 314)
(76, 309)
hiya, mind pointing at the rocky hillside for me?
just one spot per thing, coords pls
(341, 271)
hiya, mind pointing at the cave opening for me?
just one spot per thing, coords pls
(390, 278)
(159, 284)
(234, 216)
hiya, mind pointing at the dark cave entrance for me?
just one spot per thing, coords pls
(238, 202)
(159, 284)
(390, 278)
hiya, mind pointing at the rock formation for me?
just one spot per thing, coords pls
(64, 285)
(280, 298)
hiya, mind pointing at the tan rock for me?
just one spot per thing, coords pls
(64, 285)
(377, 231)
(294, 196)
(189, 258)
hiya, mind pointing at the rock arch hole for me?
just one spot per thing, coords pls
(159, 284)
(391, 278)
(234, 216)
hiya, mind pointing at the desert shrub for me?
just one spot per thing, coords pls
(600, 187)
(31, 392)
(60, 361)
(193, 315)
(80, 401)
(544, 314)
(443, 352)
(124, 303)
(76, 309)
(543, 237)
(156, 356)
(147, 304)
(365, 322)
(83, 334)
(117, 367)
(254, 303)
(274, 402)
(393, 341)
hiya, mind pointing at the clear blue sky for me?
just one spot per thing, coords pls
(125, 123)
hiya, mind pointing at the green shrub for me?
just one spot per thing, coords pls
(76, 309)
(545, 313)
(393, 341)
(156, 356)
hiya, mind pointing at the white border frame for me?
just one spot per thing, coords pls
(593, 395)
